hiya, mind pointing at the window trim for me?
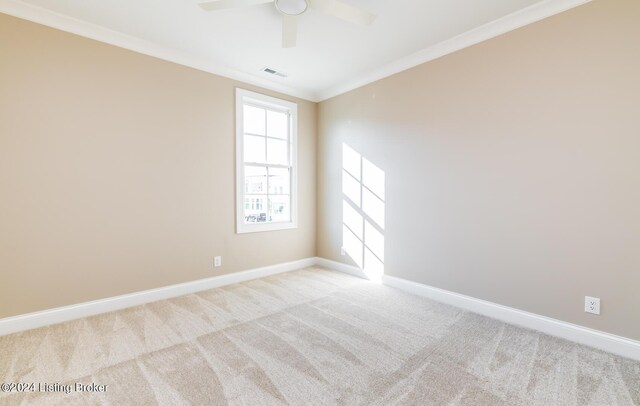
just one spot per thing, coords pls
(243, 96)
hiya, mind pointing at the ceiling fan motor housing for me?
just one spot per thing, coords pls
(291, 7)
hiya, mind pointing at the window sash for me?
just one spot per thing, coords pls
(267, 194)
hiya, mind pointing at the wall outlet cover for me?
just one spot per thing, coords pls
(592, 305)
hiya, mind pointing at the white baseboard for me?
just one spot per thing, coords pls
(598, 339)
(622, 346)
(593, 338)
(61, 314)
(339, 266)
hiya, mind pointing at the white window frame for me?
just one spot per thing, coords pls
(245, 96)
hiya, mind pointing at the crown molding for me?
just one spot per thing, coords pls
(528, 15)
(510, 22)
(72, 25)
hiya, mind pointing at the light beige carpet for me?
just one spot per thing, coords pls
(310, 337)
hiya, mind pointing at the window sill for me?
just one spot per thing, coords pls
(257, 228)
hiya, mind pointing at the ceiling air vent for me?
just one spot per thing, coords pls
(274, 72)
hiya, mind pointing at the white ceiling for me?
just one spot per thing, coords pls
(331, 56)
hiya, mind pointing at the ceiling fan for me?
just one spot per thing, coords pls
(292, 9)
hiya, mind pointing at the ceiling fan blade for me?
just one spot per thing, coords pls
(343, 11)
(225, 4)
(289, 30)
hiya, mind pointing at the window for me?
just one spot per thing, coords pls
(266, 150)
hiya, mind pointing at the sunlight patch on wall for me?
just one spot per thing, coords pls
(363, 212)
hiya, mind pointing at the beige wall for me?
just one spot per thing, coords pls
(117, 173)
(512, 167)
(512, 170)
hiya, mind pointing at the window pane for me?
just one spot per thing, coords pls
(277, 152)
(255, 179)
(254, 120)
(277, 124)
(257, 211)
(254, 149)
(279, 208)
(279, 181)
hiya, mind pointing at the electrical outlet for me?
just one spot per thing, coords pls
(217, 261)
(592, 305)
